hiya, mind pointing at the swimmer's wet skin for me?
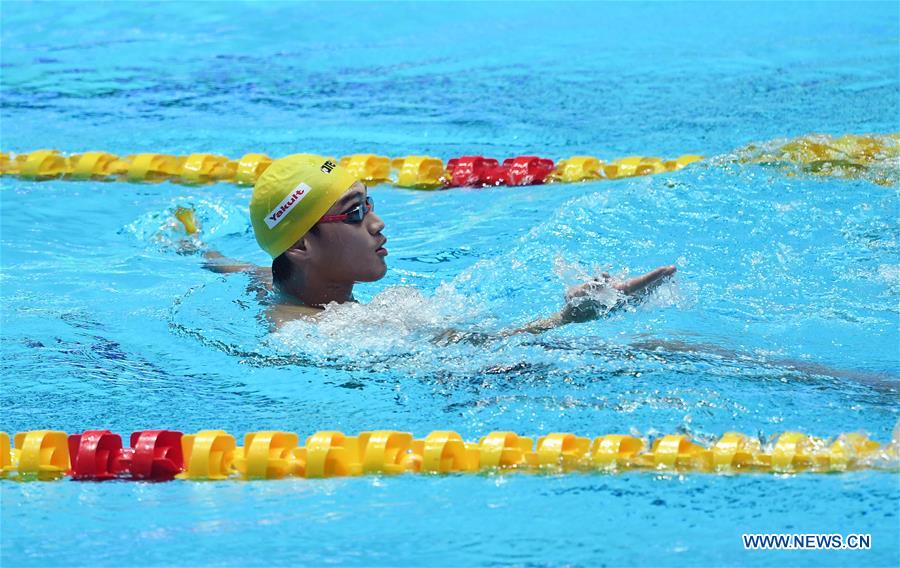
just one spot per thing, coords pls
(319, 226)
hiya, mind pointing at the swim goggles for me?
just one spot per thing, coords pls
(355, 216)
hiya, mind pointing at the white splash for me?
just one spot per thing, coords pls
(398, 320)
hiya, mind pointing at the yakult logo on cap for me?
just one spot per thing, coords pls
(294, 197)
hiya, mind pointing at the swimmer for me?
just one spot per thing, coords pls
(319, 226)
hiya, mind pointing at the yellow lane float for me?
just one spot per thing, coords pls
(419, 172)
(875, 157)
(368, 168)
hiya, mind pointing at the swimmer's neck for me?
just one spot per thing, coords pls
(316, 292)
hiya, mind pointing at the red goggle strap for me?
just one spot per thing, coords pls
(369, 205)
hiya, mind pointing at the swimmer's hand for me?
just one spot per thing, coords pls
(598, 298)
(605, 294)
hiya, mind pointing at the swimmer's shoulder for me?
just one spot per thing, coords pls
(282, 313)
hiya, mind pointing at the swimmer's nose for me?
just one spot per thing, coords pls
(377, 225)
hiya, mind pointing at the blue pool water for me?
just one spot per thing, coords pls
(783, 315)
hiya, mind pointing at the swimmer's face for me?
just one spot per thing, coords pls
(349, 252)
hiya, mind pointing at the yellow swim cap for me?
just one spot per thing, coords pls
(291, 196)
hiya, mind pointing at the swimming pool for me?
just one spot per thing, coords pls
(106, 325)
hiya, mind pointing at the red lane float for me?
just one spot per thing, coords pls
(527, 170)
(478, 171)
(472, 171)
(95, 455)
(154, 455)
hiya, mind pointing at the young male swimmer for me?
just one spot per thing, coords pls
(319, 225)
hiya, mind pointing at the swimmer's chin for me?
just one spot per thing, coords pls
(377, 274)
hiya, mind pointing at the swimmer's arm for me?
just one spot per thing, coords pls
(261, 276)
(538, 326)
(214, 260)
(221, 264)
(581, 307)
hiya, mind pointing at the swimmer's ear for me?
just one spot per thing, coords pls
(299, 251)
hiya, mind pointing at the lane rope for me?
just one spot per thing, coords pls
(416, 172)
(161, 455)
(873, 156)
